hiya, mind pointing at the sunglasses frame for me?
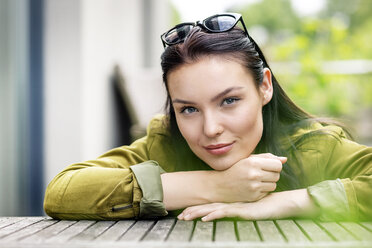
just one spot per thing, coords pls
(238, 17)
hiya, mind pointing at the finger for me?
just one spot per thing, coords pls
(213, 216)
(268, 187)
(269, 176)
(274, 165)
(197, 214)
(201, 210)
(191, 209)
(263, 155)
(218, 214)
(184, 213)
(227, 210)
(270, 155)
(283, 159)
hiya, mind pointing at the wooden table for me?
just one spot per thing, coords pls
(168, 232)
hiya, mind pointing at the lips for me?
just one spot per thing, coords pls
(219, 149)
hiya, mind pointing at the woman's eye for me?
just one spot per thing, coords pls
(230, 100)
(188, 110)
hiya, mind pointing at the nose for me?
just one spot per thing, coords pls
(212, 125)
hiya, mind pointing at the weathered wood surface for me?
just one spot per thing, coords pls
(168, 232)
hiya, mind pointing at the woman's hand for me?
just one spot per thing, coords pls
(250, 179)
(295, 203)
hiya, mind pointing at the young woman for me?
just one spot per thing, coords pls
(231, 145)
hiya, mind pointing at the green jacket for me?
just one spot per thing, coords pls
(125, 182)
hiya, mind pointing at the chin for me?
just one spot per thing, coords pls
(221, 164)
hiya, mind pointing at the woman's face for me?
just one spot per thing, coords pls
(219, 109)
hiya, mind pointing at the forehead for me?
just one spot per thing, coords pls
(208, 74)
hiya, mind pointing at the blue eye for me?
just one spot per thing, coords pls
(229, 101)
(188, 110)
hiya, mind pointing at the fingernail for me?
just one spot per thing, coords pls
(187, 217)
(283, 158)
(204, 218)
(180, 216)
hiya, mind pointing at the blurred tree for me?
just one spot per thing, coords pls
(357, 12)
(175, 15)
(272, 15)
(339, 32)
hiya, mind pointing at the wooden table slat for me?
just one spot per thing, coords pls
(43, 232)
(203, 232)
(93, 231)
(247, 231)
(357, 230)
(49, 232)
(269, 231)
(291, 231)
(314, 231)
(181, 232)
(138, 230)
(29, 230)
(71, 232)
(160, 231)
(18, 226)
(7, 221)
(116, 231)
(225, 231)
(337, 231)
(367, 225)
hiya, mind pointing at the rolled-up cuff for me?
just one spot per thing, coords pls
(351, 197)
(330, 197)
(148, 178)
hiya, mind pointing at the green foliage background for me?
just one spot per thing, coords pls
(342, 31)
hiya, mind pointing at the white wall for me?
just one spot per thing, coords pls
(13, 104)
(63, 88)
(84, 40)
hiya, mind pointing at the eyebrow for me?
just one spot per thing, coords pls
(219, 95)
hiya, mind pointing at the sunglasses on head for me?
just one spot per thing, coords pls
(215, 24)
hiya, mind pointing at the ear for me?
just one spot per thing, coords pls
(266, 87)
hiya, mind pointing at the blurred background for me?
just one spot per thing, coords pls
(79, 77)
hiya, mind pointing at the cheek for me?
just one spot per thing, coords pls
(249, 120)
(188, 130)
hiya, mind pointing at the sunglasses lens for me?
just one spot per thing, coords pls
(220, 23)
(177, 34)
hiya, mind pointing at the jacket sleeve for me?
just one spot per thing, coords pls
(345, 194)
(123, 183)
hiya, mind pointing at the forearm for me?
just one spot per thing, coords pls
(293, 203)
(279, 205)
(184, 189)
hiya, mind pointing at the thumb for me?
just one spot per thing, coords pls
(282, 159)
(270, 155)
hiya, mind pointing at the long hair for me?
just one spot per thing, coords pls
(280, 115)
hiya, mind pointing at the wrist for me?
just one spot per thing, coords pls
(303, 205)
(183, 189)
(288, 204)
(214, 184)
